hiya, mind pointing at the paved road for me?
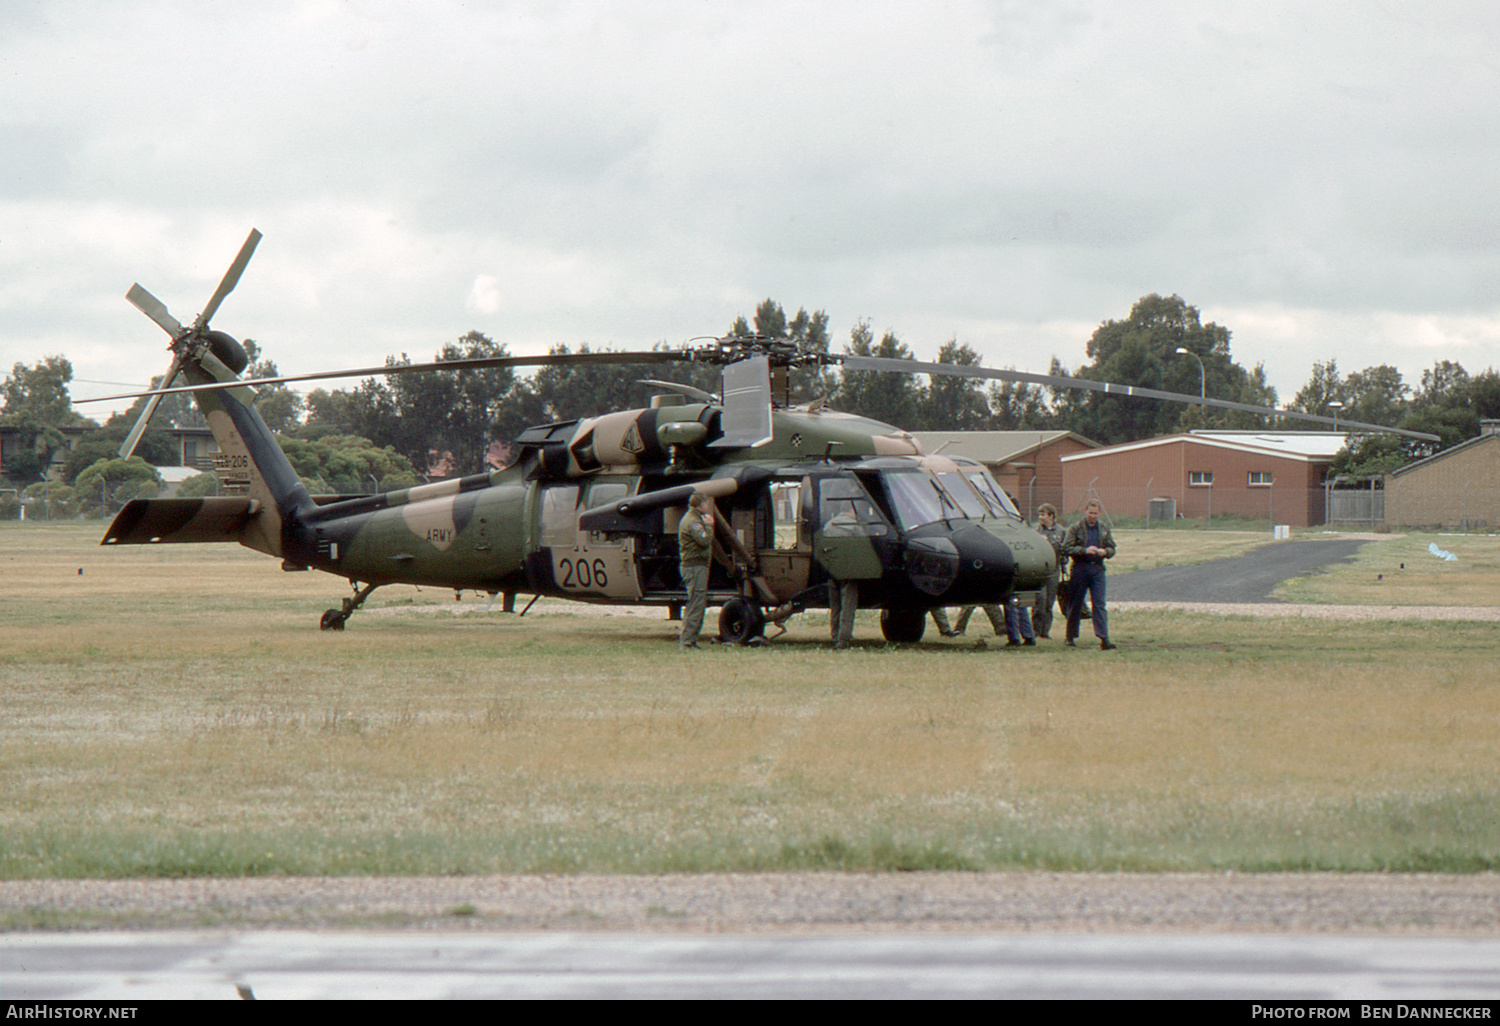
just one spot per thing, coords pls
(1244, 579)
(144, 966)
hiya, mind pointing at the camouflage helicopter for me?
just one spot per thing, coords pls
(589, 509)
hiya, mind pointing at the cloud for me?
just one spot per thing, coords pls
(1317, 179)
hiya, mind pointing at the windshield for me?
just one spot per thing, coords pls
(974, 506)
(986, 487)
(916, 498)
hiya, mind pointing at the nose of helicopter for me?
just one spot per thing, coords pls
(969, 566)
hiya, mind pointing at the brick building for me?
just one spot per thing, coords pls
(1258, 475)
(1456, 488)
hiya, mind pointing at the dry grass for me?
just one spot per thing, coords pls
(1401, 571)
(175, 710)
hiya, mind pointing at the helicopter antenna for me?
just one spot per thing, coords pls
(691, 391)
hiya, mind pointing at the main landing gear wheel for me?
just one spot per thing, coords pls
(333, 620)
(740, 622)
(903, 626)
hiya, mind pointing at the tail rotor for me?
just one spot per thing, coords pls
(185, 339)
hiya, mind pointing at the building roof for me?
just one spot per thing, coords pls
(1465, 444)
(992, 446)
(1307, 446)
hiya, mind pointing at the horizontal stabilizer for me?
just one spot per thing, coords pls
(171, 521)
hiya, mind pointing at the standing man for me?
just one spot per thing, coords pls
(1055, 533)
(1018, 629)
(843, 602)
(994, 612)
(695, 542)
(1089, 543)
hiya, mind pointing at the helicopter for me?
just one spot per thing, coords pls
(803, 495)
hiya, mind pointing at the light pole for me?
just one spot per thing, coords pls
(1336, 406)
(1202, 375)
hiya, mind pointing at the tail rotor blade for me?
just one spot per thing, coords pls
(155, 309)
(127, 447)
(231, 279)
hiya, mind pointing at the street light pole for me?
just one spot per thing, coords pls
(1336, 406)
(1202, 375)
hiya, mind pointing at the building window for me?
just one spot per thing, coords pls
(1260, 478)
(1205, 478)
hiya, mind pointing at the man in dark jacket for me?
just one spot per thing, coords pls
(1089, 543)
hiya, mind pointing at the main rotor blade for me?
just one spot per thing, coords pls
(476, 363)
(876, 363)
(127, 447)
(155, 309)
(230, 280)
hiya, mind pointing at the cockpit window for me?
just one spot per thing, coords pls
(974, 505)
(845, 509)
(916, 498)
(985, 486)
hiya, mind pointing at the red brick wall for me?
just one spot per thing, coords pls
(1126, 480)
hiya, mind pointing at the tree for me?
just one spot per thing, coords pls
(447, 418)
(1452, 424)
(279, 406)
(177, 409)
(37, 402)
(38, 395)
(155, 447)
(952, 403)
(199, 485)
(879, 395)
(1445, 384)
(808, 330)
(1484, 394)
(1375, 395)
(1018, 406)
(1324, 387)
(327, 412)
(347, 465)
(51, 500)
(1370, 454)
(1450, 404)
(109, 484)
(1141, 351)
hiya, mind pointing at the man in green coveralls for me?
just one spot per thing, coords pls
(695, 540)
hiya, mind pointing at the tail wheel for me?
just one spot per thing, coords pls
(903, 626)
(739, 621)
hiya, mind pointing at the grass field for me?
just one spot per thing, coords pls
(175, 711)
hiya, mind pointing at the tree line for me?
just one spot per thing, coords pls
(385, 432)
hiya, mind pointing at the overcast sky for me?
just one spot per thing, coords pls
(1318, 177)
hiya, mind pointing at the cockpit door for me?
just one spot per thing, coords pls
(847, 525)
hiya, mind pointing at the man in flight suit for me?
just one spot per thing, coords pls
(1055, 533)
(695, 541)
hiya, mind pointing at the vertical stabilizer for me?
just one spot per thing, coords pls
(249, 462)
